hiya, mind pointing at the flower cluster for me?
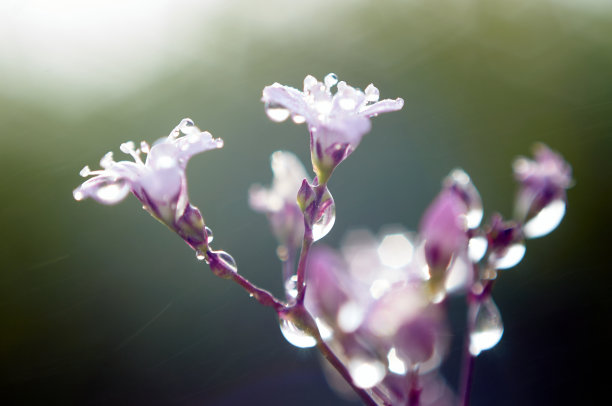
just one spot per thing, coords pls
(159, 182)
(377, 308)
(336, 122)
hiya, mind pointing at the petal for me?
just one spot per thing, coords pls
(104, 189)
(383, 106)
(288, 97)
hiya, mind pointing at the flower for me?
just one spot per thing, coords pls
(542, 180)
(159, 182)
(279, 201)
(336, 122)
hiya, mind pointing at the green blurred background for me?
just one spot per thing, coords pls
(102, 305)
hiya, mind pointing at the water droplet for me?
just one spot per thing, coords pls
(309, 82)
(372, 93)
(546, 220)
(78, 195)
(460, 181)
(477, 247)
(145, 147)
(330, 80)
(295, 336)
(298, 119)
(366, 372)
(209, 234)
(200, 255)
(291, 287)
(277, 112)
(219, 142)
(326, 219)
(396, 365)
(509, 257)
(186, 125)
(227, 260)
(488, 327)
(112, 192)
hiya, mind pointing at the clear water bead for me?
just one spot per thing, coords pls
(291, 287)
(209, 234)
(330, 80)
(366, 372)
(372, 93)
(295, 336)
(510, 257)
(325, 222)
(228, 260)
(546, 220)
(488, 327)
(277, 112)
(298, 119)
(111, 193)
(200, 255)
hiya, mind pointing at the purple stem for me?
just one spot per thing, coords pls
(414, 395)
(261, 295)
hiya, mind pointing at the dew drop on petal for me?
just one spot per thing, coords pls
(219, 143)
(546, 220)
(488, 327)
(511, 256)
(111, 193)
(295, 336)
(277, 112)
(365, 372)
(309, 82)
(78, 195)
(477, 247)
(396, 365)
(372, 93)
(325, 222)
(209, 235)
(298, 119)
(330, 80)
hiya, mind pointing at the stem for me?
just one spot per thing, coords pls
(414, 395)
(306, 244)
(301, 270)
(221, 269)
(299, 313)
(467, 364)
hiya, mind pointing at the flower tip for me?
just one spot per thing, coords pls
(399, 102)
(77, 194)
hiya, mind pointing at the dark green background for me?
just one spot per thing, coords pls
(102, 305)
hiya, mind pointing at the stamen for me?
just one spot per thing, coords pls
(144, 147)
(85, 172)
(107, 160)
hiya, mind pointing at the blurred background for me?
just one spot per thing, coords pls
(102, 305)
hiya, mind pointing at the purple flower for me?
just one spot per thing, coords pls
(336, 122)
(279, 201)
(543, 181)
(159, 182)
